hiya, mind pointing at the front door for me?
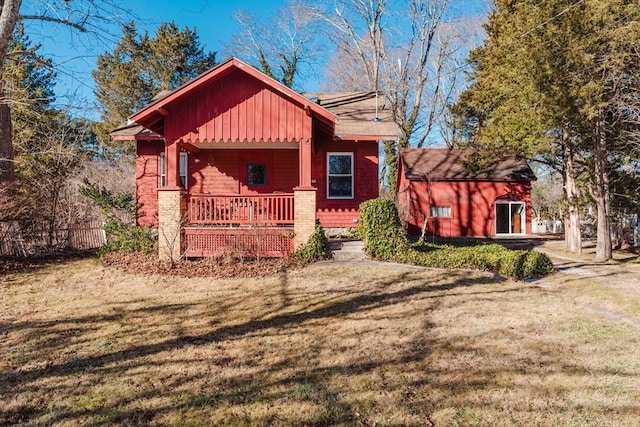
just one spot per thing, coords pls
(510, 218)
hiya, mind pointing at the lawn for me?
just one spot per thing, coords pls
(81, 344)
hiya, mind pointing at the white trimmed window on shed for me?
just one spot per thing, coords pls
(441, 211)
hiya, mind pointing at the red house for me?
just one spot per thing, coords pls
(440, 192)
(234, 161)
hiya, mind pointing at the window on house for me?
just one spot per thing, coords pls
(340, 175)
(183, 169)
(441, 211)
(163, 170)
(256, 174)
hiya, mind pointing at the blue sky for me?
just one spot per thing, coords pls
(75, 56)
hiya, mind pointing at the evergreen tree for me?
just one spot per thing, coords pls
(548, 84)
(29, 81)
(142, 66)
(48, 146)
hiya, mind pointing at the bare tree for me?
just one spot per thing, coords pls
(358, 32)
(91, 17)
(285, 48)
(45, 173)
(413, 51)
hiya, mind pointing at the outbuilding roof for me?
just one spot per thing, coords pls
(447, 164)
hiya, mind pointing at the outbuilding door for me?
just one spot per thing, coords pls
(510, 217)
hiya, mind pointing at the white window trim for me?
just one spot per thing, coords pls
(523, 223)
(437, 209)
(350, 154)
(183, 165)
(163, 170)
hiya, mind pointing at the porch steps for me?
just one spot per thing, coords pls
(347, 250)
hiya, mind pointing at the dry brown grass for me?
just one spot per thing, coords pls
(325, 345)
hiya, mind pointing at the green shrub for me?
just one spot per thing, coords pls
(537, 264)
(518, 264)
(119, 211)
(381, 229)
(385, 239)
(316, 249)
(127, 237)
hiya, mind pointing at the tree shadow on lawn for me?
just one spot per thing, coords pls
(33, 263)
(305, 385)
(334, 309)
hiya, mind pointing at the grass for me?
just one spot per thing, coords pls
(325, 345)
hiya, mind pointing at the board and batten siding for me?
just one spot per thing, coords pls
(472, 205)
(234, 108)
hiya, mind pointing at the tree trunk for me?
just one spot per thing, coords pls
(603, 237)
(9, 15)
(7, 174)
(391, 163)
(572, 236)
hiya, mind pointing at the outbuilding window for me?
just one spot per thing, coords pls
(441, 211)
(340, 175)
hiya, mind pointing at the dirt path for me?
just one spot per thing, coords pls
(606, 280)
(625, 275)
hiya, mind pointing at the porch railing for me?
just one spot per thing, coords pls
(259, 209)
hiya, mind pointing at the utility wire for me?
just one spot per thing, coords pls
(567, 9)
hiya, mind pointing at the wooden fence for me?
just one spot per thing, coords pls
(16, 242)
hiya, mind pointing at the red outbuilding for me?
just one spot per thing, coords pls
(233, 161)
(441, 193)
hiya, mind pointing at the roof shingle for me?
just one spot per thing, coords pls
(445, 164)
(358, 114)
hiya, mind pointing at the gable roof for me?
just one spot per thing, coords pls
(133, 131)
(446, 164)
(151, 116)
(362, 115)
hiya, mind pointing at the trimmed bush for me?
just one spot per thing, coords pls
(381, 229)
(316, 249)
(386, 240)
(518, 264)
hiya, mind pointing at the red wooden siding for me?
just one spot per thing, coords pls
(147, 180)
(213, 172)
(472, 205)
(220, 171)
(344, 213)
(237, 107)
